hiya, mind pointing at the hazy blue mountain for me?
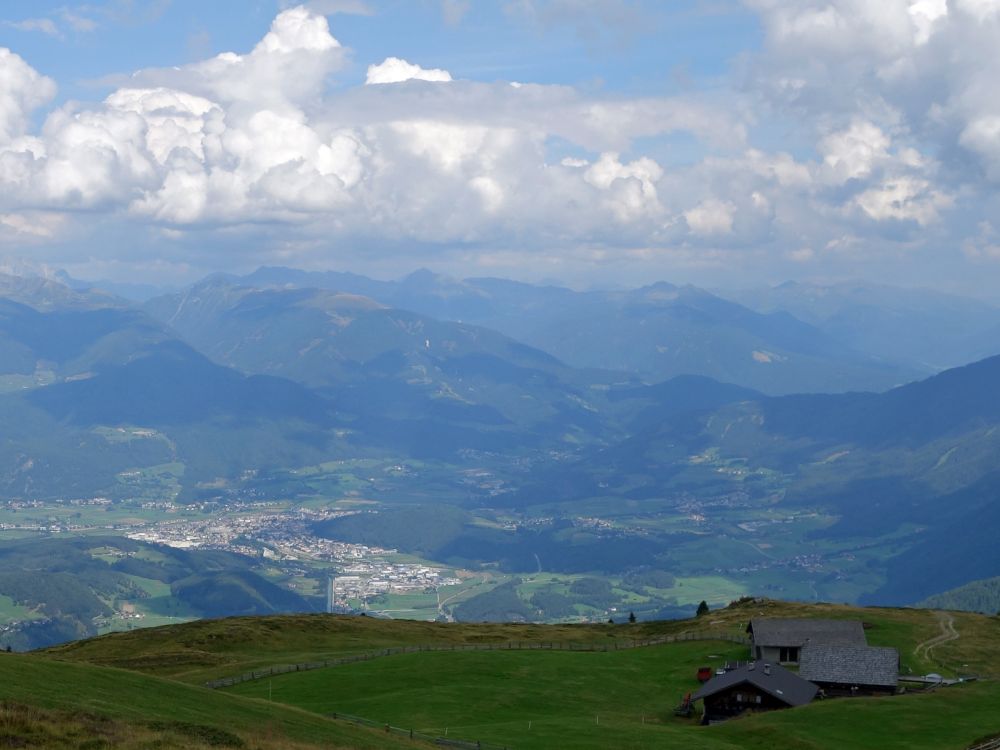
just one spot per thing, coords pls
(921, 328)
(918, 460)
(982, 344)
(976, 596)
(227, 380)
(422, 291)
(958, 546)
(133, 292)
(170, 383)
(67, 343)
(62, 438)
(48, 294)
(389, 367)
(86, 394)
(656, 332)
(648, 406)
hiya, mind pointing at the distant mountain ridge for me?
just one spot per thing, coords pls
(657, 332)
(921, 328)
(976, 596)
(921, 456)
(379, 363)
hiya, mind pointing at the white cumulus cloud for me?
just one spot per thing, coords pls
(904, 199)
(853, 153)
(891, 107)
(22, 90)
(711, 217)
(395, 70)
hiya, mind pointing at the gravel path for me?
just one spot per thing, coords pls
(948, 633)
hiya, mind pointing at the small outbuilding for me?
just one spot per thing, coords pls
(781, 640)
(851, 670)
(758, 686)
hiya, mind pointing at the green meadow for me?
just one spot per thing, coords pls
(525, 697)
(542, 699)
(139, 704)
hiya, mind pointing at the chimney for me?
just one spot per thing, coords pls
(767, 669)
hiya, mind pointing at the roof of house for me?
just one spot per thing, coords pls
(775, 680)
(782, 632)
(850, 665)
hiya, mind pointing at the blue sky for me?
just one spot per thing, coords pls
(669, 46)
(723, 142)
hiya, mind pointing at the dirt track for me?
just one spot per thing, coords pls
(948, 633)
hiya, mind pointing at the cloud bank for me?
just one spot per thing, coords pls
(892, 102)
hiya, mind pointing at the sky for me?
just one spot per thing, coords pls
(724, 143)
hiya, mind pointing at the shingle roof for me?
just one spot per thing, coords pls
(782, 632)
(784, 685)
(850, 665)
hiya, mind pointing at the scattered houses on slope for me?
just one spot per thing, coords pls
(754, 687)
(851, 670)
(781, 640)
(833, 657)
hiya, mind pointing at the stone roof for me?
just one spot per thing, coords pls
(788, 632)
(850, 665)
(772, 679)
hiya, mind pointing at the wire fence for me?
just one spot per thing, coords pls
(616, 645)
(444, 741)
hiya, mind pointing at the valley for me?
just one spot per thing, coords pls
(442, 471)
(397, 554)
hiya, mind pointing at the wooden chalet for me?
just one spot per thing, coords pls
(851, 670)
(758, 686)
(782, 640)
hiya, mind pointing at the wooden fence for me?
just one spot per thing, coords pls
(616, 645)
(990, 744)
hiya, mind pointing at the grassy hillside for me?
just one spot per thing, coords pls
(207, 649)
(618, 699)
(570, 699)
(527, 698)
(123, 707)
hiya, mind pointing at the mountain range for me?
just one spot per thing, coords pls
(566, 396)
(656, 332)
(918, 328)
